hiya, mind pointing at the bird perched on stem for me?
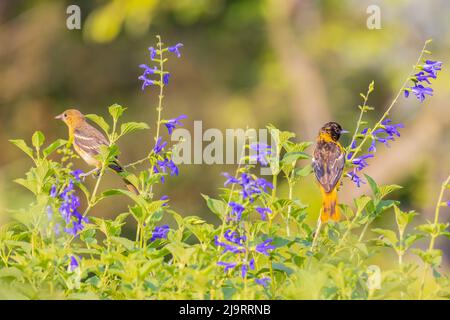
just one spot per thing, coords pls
(328, 164)
(87, 141)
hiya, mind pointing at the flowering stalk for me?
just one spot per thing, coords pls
(386, 113)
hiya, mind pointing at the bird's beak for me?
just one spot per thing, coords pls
(59, 117)
(344, 131)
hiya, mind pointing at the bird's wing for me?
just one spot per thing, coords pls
(328, 164)
(88, 139)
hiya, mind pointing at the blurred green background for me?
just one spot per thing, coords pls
(296, 64)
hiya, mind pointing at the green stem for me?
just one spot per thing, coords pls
(433, 236)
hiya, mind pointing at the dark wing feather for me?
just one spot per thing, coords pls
(89, 139)
(328, 164)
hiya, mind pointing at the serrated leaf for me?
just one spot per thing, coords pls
(218, 207)
(127, 243)
(303, 172)
(99, 121)
(53, 146)
(37, 139)
(291, 157)
(116, 111)
(21, 144)
(390, 238)
(129, 127)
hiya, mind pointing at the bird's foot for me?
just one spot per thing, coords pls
(95, 172)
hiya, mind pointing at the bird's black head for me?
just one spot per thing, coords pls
(333, 130)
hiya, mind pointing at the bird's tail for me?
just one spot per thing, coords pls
(119, 170)
(330, 209)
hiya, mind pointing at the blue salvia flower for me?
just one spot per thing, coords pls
(229, 247)
(152, 53)
(355, 178)
(432, 67)
(160, 232)
(244, 269)
(73, 264)
(76, 174)
(448, 203)
(146, 82)
(164, 166)
(264, 246)
(420, 91)
(262, 152)
(361, 162)
(263, 212)
(159, 146)
(175, 49)
(429, 70)
(230, 179)
(173, 123)
(233, 237)
(148, 70)
(227, 265)
(53, 192)
(251, 187)
(236, 211)
(166, 77)
(164, 198)
(262, 281)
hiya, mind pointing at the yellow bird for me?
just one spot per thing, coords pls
(87, 141)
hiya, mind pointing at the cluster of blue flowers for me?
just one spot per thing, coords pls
(148, 71)
(160, 232)
(428, 71)
(237, 245)
(263, 151)
(384, 134)
(251, 186)
(69, 207)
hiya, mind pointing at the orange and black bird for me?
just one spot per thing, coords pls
(87, 141)
(328, 164)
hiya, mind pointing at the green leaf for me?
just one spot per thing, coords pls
(53, 146)
(373, 185)
(99, 121)
(403, 218)
(389, 236)
(218, 207)
(385, 190)
(127, 243)
(116, 111)
(129, 127)
(303, 172)
(291, 157)
(21, 144)
(38, 139)
(361, 204)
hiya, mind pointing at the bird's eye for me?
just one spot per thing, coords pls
(65, 115)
